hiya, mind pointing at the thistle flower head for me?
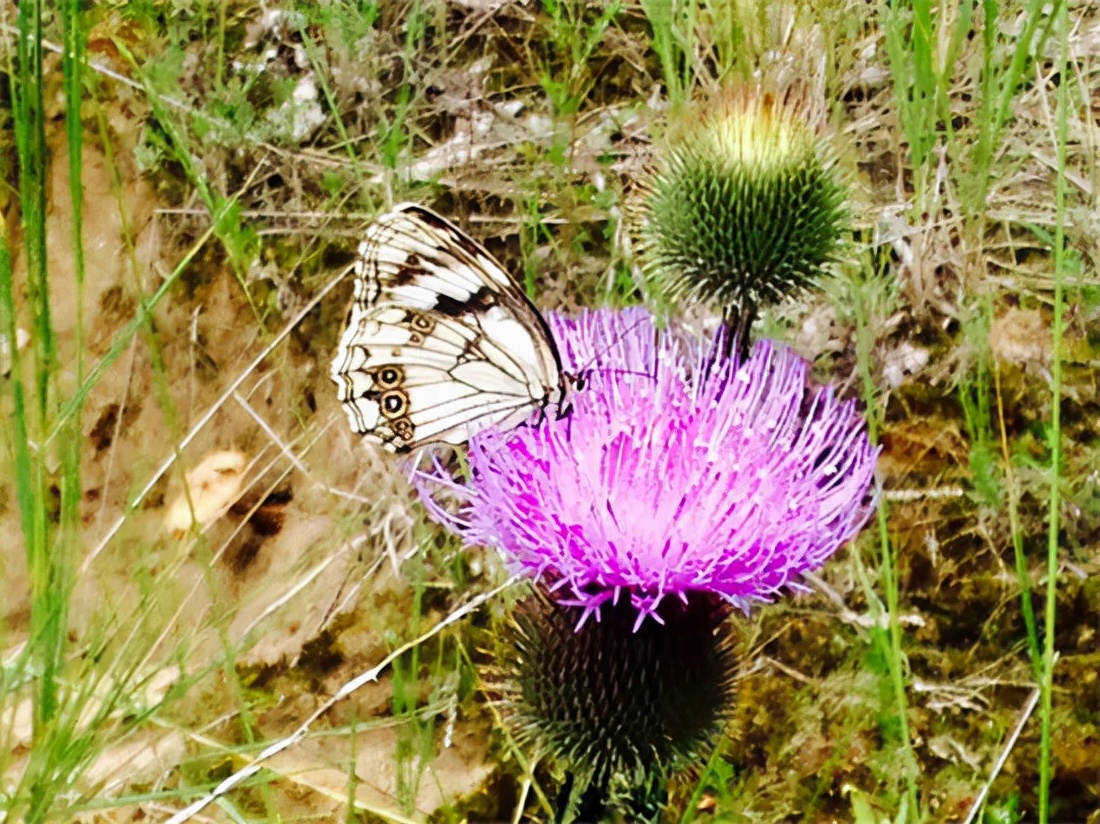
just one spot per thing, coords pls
(746, 206)
(623, 709)
(676, 471)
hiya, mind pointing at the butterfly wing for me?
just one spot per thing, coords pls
(440, 342)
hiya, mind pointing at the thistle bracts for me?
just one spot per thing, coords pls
(745, 207)
(623, 708)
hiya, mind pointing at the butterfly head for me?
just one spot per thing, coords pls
(568, 384)
(571, 382)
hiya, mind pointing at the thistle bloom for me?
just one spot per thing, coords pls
(676, 471)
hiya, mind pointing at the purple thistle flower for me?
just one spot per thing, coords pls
(677, 470)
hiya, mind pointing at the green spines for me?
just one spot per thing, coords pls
(622, 709)
(745, 209)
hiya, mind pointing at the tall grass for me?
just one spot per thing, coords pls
(574, 33)
(395, 137)
(41, 673)
(868, 295)
(1000, 83)
(923, 42)
(1046, 674)
(672, 23)
(73, 678)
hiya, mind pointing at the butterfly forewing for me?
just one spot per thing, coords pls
(440, 342)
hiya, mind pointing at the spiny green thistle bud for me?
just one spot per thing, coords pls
(622, 706)
(746, 207)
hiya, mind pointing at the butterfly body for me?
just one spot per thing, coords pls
(441, 342)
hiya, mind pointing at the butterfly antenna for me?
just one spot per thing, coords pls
(581, 376)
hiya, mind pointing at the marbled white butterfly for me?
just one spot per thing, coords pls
(441, 342)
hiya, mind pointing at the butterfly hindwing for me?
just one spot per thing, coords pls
(440, 341)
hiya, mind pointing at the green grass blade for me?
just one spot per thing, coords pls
(48, 602)
(999, 85)
(1046, 683)
(30, 139)
(888, 644)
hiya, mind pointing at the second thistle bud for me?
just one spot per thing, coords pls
(745, 208)
(622, 706)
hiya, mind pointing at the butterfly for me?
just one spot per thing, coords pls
(441, 343)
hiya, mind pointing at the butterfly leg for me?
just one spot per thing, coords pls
(564, 411)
